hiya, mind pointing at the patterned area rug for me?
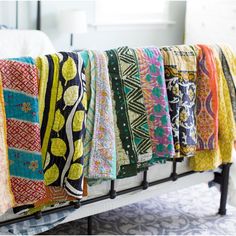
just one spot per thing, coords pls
(191, 211)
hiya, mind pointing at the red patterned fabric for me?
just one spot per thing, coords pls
(26, 135)
(13, 70)
(27, 191)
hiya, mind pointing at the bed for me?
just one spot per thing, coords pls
(109, 195)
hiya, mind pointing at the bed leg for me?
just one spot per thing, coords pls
(224, 188)
(90, 225)
(145, 183)
(112, 192)
(174, 174)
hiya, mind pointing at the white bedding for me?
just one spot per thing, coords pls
(19, 43)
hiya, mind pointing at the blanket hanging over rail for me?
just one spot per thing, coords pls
(20, 86)
(207, 99)
(211, 159)
(63, 105)
(145, 106)
(99, 144)
(153, 86)
(180, 72)
(132, 131)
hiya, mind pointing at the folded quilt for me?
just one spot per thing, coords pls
(180, 74)
(207, 100)
(62, 110)
(6, 195)
(100, 149)
(153, 86)
(20, 85)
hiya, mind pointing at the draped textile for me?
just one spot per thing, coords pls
(207, 100)
(132, 131)
(153, 86)
(6, 195)
(228, 62)
(20, 85)
(100, 133)
(63, 104)
(210, 159)
(180, 74)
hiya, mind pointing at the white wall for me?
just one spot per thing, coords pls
(211, 21)
(94, 39)
(171, 34)
(26, 14)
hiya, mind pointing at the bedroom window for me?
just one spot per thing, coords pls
(130, 12)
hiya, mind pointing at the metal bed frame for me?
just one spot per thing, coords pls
(220, 178)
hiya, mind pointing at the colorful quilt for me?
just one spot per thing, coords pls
(153, 86)
(210, 159)
(20, 85)
(100, 149)
(180, 74)
(132, 131)
(62, 108)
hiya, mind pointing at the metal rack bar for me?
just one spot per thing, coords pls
(222, 210)
(92, 200)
